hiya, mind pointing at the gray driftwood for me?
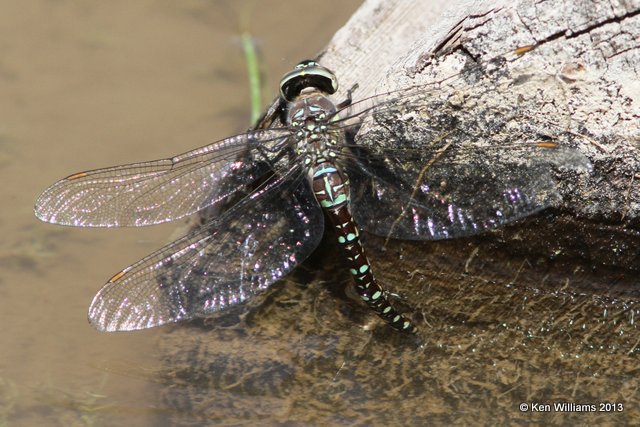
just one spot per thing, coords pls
(586, 54)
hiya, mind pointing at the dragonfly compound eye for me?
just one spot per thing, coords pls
(307, 74)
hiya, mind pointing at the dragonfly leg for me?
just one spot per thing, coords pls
(349, 98)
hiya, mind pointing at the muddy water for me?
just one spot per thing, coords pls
(92, 84)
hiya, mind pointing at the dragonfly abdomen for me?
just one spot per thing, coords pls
(331, 189)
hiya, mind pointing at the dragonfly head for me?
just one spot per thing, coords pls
(307, 74)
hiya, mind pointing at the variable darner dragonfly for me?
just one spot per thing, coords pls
(284, 179)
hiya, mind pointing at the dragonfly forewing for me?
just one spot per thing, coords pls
(154, 192)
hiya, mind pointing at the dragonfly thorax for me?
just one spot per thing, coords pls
(310, 115)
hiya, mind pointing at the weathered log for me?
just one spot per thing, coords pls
(589, 54)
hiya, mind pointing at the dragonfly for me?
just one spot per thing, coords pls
(270, 191)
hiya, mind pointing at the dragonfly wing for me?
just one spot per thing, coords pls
(226, 261)
(158, 191)
(451, 160)
(443, 192)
